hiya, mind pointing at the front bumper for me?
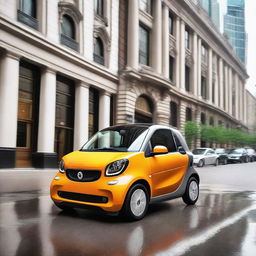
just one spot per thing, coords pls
(196, 160)
(97, 193)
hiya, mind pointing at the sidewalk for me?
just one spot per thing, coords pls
(26, 179)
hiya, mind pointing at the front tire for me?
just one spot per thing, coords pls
(192, 192)
(136, 203)
(225, 161)
(216, 162)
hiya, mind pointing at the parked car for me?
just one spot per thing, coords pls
(124, 168)
(204, 156)
(223, 155)
(238, 155)
(252, 154)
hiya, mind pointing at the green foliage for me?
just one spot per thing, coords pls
(191, 131)
(221, 135)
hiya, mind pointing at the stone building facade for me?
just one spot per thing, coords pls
(58, 76)
(173, 60)
(71, 67)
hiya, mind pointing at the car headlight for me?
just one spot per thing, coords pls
(116, 167)
(61, 166)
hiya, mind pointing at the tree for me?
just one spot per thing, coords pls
(191, 131)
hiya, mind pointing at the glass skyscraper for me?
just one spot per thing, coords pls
(212, 7)
(234, 27)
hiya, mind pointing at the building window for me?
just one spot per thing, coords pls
(144, 110)
(204, 54)
(187, 39)
(213, 92)
(99, 7)
(68, 32)
(171, 24)
(27, 13)
(93, 111)
(203, 118)
(187, 78)
(171, 68)
(98, 54)
(145, 5)
(64, 118)
(188, 114)
(211, 122)
(203, 88)
(174, 114)
(144, 46)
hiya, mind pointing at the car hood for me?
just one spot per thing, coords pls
(93, 160)
(198, 156)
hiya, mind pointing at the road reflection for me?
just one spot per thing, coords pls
(36, 227)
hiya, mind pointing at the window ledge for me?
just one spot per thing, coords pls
(27, 20)
(71, 43)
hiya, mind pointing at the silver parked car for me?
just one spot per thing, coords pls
(204, 156)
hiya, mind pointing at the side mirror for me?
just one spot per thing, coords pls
(159, 150)
(181, 150)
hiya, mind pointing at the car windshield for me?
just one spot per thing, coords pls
(117, 139)
(199, 151)
(236, 151)
(220, 150)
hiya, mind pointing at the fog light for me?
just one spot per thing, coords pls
(113, 182)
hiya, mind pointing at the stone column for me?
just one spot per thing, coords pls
(245, 104)
(45, 156)
(182, 55)
(226, 82)
(157, 36)
(210, 75)
(195, 65)
(104, 110)
(165, 34)
(81, 115)
(221, 83)
(240, 101)
(133, 35)
(177, 60)
(217, 84)
(9, 95)
(182, 116)
(237, 96)
(230, 92)
(199, 68)
(198, 121)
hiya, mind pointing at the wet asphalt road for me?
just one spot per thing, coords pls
(223, 222)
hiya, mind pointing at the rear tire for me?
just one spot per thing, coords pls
(192, 192)
(136, 203)
(200, 163)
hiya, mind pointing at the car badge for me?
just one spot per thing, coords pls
(80, 175)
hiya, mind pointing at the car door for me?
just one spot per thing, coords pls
(207, 157)
(167, 170)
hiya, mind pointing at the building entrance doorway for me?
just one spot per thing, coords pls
(143, 110)
(64, 123)
(28, 109)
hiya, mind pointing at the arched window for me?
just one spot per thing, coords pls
(68, 27)
(28, 7)
(98, 54)
(143, 110)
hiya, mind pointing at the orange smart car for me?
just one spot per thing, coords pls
(124, 168)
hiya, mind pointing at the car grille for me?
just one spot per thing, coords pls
(83, 197)
(83, 175)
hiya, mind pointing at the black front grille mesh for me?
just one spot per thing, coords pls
(83, 197)
(83, 175)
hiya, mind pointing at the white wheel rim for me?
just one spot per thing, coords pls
(193, 190)
(138, 202)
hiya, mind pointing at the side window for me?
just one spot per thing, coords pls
(178, 143)
(163, 137)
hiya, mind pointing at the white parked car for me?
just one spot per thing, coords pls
(204, 156)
